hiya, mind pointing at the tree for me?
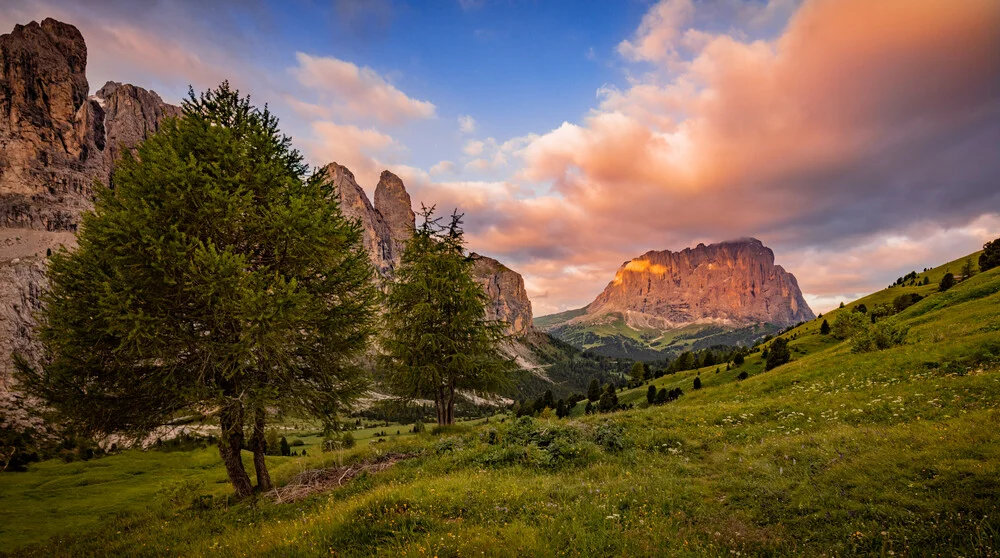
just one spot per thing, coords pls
(967, 270)
(709, 359)
(847, 324)
(562, 410)
(638, 374)
(779, 354)
(651, 394)
(947, 282)
(438, 340)
(215, 272)
(743, 376)
(860, 308)
(824, 328)
(286, 450)
(589, 409)
(609, 399)
(594, 390)
(697, 383)
(739, 359)
(990, 257)
(661, 396)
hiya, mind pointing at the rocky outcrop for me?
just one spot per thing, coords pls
(55, 141)
(385, 226)
(22, 282)
(732, 283)
(505, 290)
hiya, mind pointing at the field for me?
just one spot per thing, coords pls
(894, 452)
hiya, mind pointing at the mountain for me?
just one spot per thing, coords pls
(55, 141)
(665, 301)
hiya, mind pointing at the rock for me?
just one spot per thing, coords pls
(393, 203)
(376, 235)
(22, 282)
(733, 283)
(505, 288)
(55, 141)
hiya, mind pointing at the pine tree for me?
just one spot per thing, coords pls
(438, 340)
(216, 272)
(286, 450)
(697, 383)
(824, 328)
(609, 399)
(779, 354)
(651, 394)
(638, 374)
(947, 282)
(594, 390)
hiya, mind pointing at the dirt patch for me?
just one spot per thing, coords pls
(315, 481)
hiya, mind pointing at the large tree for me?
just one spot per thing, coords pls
(438, 340)
(216, 273)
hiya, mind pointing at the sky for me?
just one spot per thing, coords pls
(858, 139)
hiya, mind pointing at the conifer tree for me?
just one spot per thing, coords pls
(651, 394)
(824, 328)
(438, 340)
(594, 390)
(214, 273)
(779, 354)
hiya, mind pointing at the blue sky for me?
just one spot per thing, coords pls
(859, 140)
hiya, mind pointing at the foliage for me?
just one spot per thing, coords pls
(990, 257)
(847, 324)
(778, 354)
(947, 282)
(824, 329)
(438, 340)
(214, 272)
(881, 335)
(594, 390)
(697, 383)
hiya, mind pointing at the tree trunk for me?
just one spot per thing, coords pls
(230, 444)
(260, 450)
(451, 404)
(442, 414)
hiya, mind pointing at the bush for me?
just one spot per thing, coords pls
(847, 324)
(738, 360)
(743, 375)
(879, 336)
(779, 354)
(419, 427)
(286, 450)
(824, 329)
(611, 437)
(990, 257)
(697, 383)
(902, 302)
(651, 395)
(947, 282)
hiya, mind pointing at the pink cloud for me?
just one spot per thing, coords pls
(353, 91)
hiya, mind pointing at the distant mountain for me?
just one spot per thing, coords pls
(665, 301)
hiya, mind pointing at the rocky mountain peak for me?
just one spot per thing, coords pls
(393, 203)
(505, 288)
(733, 283)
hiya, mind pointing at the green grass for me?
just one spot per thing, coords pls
(834, 453)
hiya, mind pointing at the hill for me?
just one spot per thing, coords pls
(894, 452)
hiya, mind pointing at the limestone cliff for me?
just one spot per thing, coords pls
(505, 289)
(733, 283)
(55, 141)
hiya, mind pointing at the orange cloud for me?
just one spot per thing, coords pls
(354, 91)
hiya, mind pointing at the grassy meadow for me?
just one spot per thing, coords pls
(890, 453)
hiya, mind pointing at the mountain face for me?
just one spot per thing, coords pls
(55, 140)
(667, 301)
(731, 283)
(505, 289)
(387, 225)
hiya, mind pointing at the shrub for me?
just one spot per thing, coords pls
(743, 375)
(904, 301)
(990, 257)
(697, 383)
(847, 324)
(738, 360)
(879, 336)
(418, 427)
(779, 354)
(651, 395)
(611, 437)
(661, 396)
(286, 450)
(947, 282)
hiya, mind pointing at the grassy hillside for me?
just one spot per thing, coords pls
(835, 453)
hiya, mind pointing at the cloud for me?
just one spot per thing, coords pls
(659, 30)
(354, 91)
(363, 150)
(466, 124)
(473, 147)
(443, 167)
(853, 125)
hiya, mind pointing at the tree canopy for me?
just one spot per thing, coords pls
(438, 339)
(216, 273)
